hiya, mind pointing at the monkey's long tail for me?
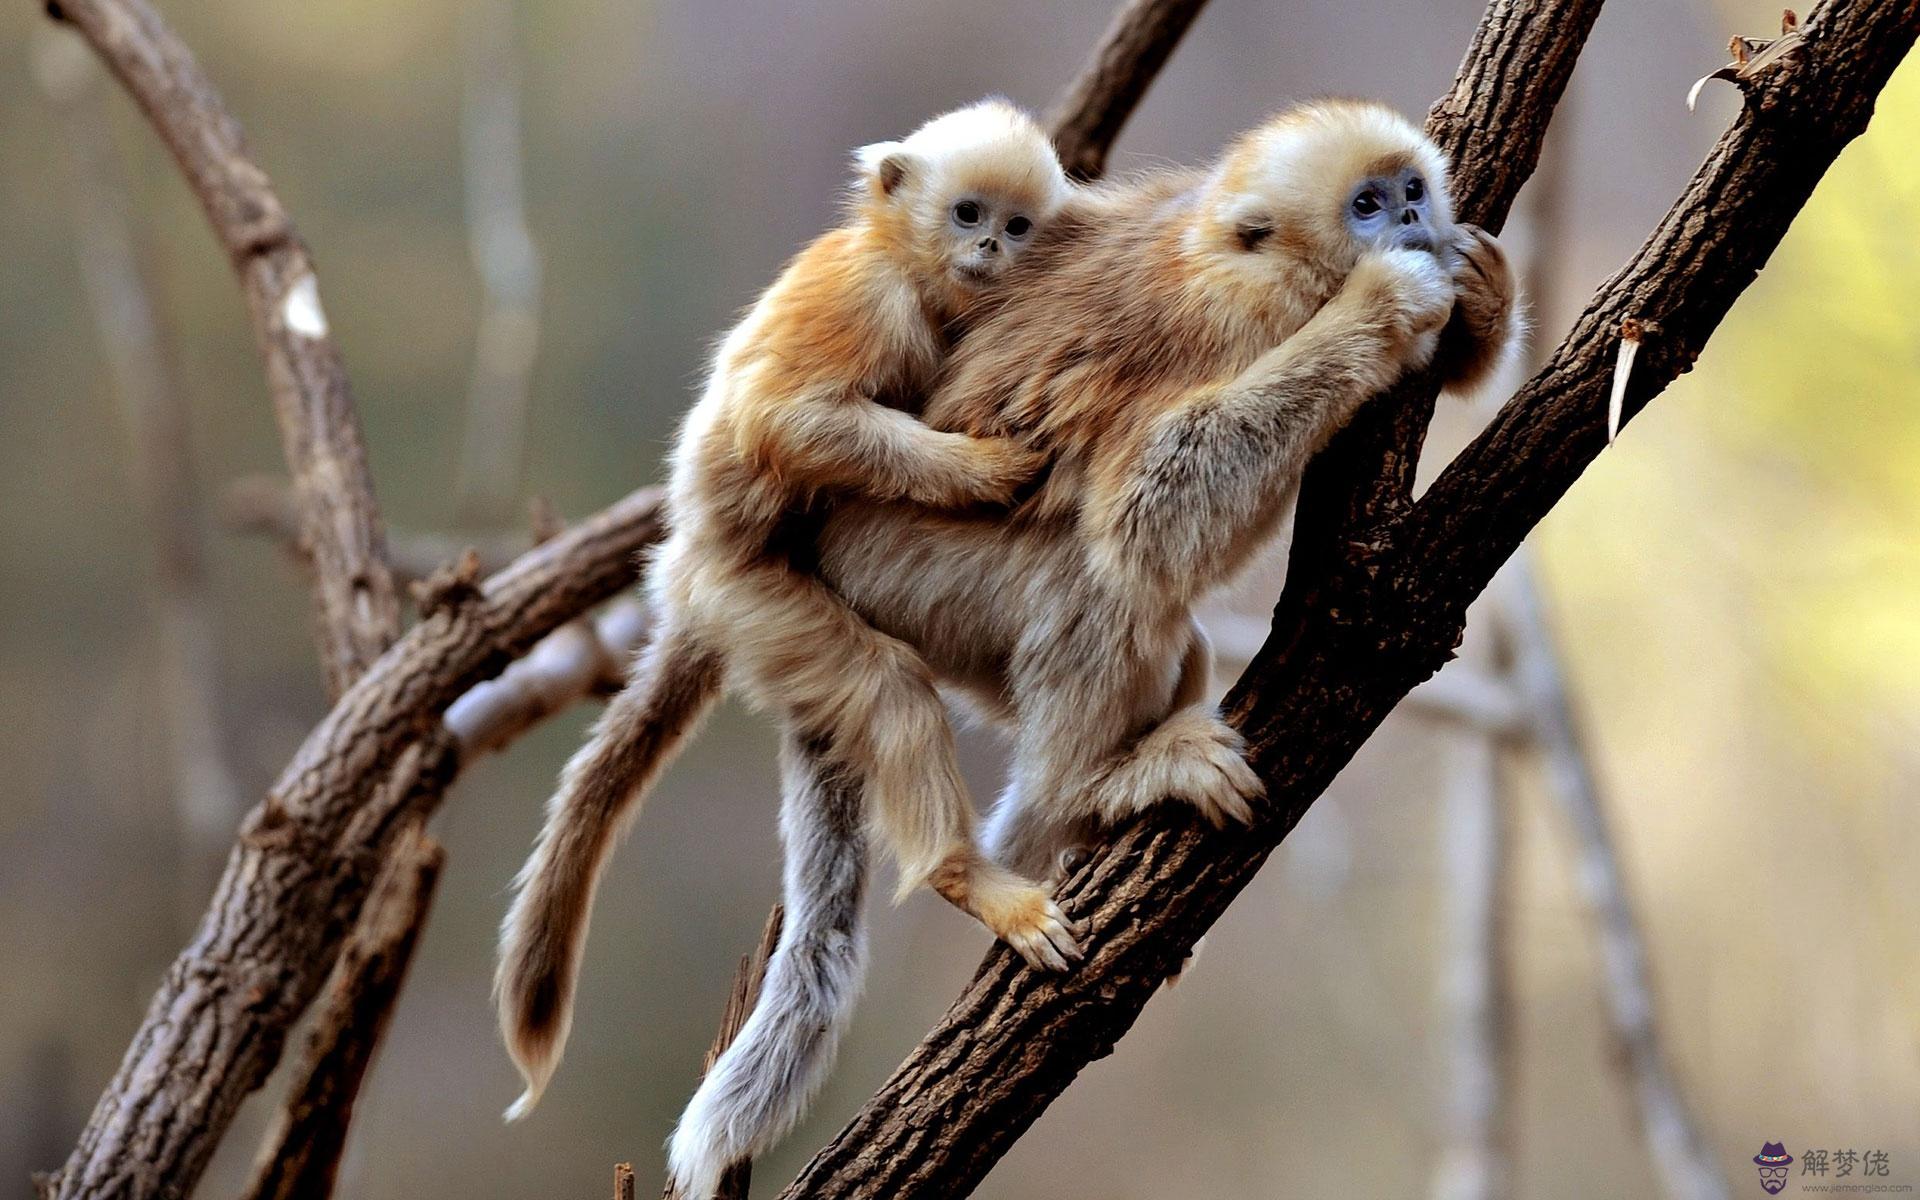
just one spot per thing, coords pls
(763, 1083)
(677, 682)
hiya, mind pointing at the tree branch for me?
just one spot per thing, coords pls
(357, 609)
(493, 445)
(307, 856)
(301, 1154)
(1681, 1154)
(752, 972)
(1388, 610)
(1089, 115)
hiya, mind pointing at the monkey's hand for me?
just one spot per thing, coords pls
(1407, 295)
(983, 470)
(1485, 322)
(1193, 757)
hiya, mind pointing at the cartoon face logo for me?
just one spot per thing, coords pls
(1773, 1161)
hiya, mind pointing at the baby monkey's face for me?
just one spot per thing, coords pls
(984, 231)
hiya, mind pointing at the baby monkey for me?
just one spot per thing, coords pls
(794, 419)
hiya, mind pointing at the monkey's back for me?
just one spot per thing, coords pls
(841, 322)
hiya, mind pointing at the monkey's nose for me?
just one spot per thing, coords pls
(990, 245)
(1409, 217)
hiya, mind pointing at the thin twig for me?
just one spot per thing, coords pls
(301, 1153)
(493, 450)
(356, 604)
(1681, 1154)
(747, 979)
(1476, 976)
(204, 789)
(265, 506)
(1089, 115)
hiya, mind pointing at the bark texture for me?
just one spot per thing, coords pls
(307, 856)
(301, 1154)
(1375, 611)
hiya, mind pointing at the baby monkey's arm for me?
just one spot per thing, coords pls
(833, 441)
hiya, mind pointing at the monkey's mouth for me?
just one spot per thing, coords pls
(975, 271)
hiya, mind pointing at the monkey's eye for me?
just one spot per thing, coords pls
(1415, 189)
(967, 213)
(1019, 227)
(1366, 204)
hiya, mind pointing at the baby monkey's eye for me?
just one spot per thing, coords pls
(1415, 189)
(1366, 204)
(1019, 227)
(967, 212)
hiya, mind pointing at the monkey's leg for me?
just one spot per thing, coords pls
(1079, 765)
(871, 699)
(677, 681)
(762, 1085)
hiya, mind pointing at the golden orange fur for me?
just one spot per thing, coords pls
(1180, 354)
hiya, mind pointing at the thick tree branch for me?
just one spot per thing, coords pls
(301, 1154)
(1091, 112)
(295, 883)
(357, 609)
(1388, 613)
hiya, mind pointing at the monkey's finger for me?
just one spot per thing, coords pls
(1060, 933)
(1040, 954)
(1233, 807)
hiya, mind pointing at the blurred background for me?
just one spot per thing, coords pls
(1733, 591)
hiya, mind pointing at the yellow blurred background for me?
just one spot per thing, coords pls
(1735, 586)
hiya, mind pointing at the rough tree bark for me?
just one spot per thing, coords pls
(1372, 611)
(747, 980)
(301, 1153)
(308, 855)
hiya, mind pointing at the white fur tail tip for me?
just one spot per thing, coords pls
(519, 1109)
(695, 1180)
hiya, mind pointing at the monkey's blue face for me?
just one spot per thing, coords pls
(1393, 211)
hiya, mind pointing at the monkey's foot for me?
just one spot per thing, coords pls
(1022, 915)
(1193, 757)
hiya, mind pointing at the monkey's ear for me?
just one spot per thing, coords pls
(1250, 222)
(885, 166)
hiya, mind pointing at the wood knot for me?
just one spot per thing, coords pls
(451, 587)
(1753, 58)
